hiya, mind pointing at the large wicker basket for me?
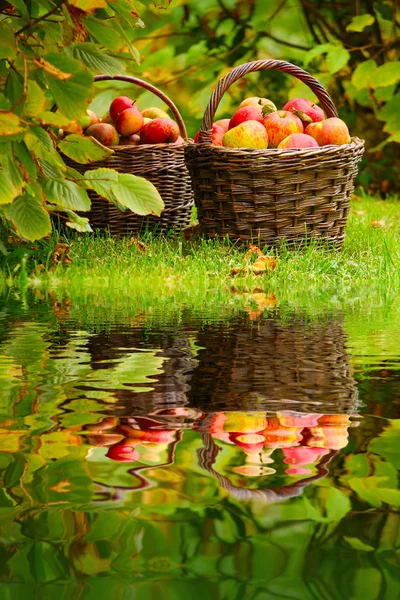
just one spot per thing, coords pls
(162, 164)
(272, 195)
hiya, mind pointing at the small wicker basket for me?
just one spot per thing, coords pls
(162, 164)
(272, 195)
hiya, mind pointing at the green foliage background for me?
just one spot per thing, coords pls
(49, 52)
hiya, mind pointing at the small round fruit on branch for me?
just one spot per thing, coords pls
(130, 121)
(259, 102)
(152, 112)
(250, 134)
(89, 119)
(247, 113)
(298, 141)
(331, 131)
(118, 105)
(280, 124)
(104, 133)
(159, 131)
(130, 140)
(306, 110)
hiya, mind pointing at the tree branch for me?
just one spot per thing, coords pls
(42, 18)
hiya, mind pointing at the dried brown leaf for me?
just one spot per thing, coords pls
(378, 224)
(264, 263)
(139, 245)
(253, 250)
(192, 231)
(61, 255)
(358, 212)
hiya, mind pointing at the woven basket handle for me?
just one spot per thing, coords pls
(150, 88)
(261, 65)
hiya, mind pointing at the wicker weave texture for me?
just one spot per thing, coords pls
(272, 195)
(161, 164)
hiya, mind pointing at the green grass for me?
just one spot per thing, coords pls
(198, 272)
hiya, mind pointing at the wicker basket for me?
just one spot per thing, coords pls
(162, 164)
(272, 195)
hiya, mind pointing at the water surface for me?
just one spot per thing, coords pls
(249, 451)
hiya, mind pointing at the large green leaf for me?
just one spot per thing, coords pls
(101, 181)
(138, 194)
(36, 101)
(104, 32)
(29, 217)
(66, 194)
(72, 95)
(385, 75)
(317, 51)
(337, 58)
(96, 61)
(84, 149)
(78, 223)
(7, 190)
(10, 124)
(7, 42)
(360, 22)
(360, 78)
(39, 142)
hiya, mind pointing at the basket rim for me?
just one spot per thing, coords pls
(147, 147)
(331, 149)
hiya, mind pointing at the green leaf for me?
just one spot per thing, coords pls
(55, 119)
(96, 61)
(358, 544)
(73, 95)
(29, 217)
(5, 104)
(337, 504)
(39, 142)
(359, 23)
(78, 223)
(104, 32)
(138, 194)
(7, 190)
(36, 101)
(10, 124)
(20, 6)
(389, 496)
(84, 149)
(7, 42)
(337, 58)
(387, 74)
(360, 78)
(25, 158)
(14, 471)
(101, 181)
(89, 5)
(317, 51)
(66, 194)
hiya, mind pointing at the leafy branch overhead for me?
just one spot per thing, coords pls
(49, 52)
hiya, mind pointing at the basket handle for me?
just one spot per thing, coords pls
(209, 452)
(150, 88)
(261, 65)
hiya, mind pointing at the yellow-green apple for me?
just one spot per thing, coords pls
(89, 119)
(146, 120)
(118, 105)
(224, 123)
(159, 131)
(179, 140)
(257, 101)
(217, 135)
(130, 121)
(280, 124)
(298, 141)
(331, 131)
(155, 113)
(247, 113)
(250, 134)
(306, 110)
(104, 133)
(130, 140)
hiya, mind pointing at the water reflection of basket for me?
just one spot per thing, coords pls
(273, 365)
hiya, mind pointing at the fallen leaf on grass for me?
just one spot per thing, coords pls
(378, 224)
(140, 246)
(192, 231)
(61, 255)
(259, 267)
(253, 250)
(358, 212)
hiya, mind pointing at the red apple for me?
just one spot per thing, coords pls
(259, 102)
(104, 133)
(331, 131)
(130, 121)
(217, 135)
(130, 140)
(306, 110)
(247, 113)
(250, 134)
(224, 123)
(298, 141)
(118, 105)
(159, 131)
(280, 124)
(123, 452)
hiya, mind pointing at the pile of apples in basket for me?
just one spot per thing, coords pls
(259, 124)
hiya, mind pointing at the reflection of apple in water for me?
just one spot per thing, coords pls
(123, 452)
(293, 419)
(249, 442)
(303, 455)
(329, 436)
